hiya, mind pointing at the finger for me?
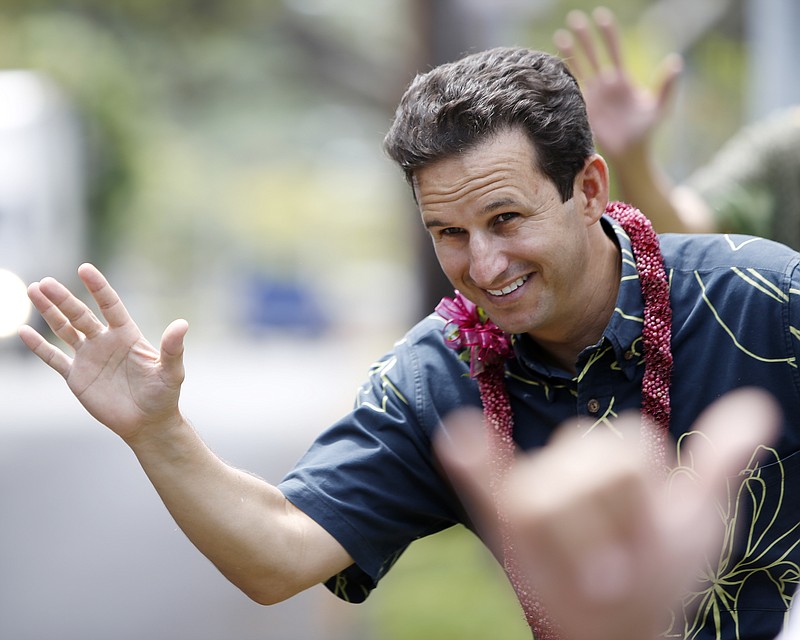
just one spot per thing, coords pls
(56, 320)
(78, 315)
(668, 72)
(461, 446)
(565, 44)
(172, 349)
(604, 19)
(579, 549)
(107, 299)
(613, 563)
(578, 23)
(578, 503)
(588, 502)
(49, 354)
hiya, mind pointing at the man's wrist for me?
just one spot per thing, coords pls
(159, 433)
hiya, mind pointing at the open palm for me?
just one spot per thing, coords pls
(622, 113)
(118, 376)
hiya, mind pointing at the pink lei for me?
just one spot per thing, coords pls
(486, 347)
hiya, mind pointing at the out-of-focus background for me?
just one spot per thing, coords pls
(221, 161)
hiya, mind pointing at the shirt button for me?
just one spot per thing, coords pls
(628, 354)
(593, 406)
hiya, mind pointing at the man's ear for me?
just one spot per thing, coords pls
(591, 185)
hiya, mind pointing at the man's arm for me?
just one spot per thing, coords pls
(624, 117)
(256, 538)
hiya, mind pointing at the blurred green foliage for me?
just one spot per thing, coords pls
(214, 145)
(245, 135)
(447, 587)
(245, 84)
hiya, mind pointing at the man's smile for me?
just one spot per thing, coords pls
(509, 288)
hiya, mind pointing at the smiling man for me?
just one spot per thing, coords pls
(508, 242)
(569, 310)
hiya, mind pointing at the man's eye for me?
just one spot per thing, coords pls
(451, 231)
(505, 217)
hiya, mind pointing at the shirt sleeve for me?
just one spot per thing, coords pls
(371, 480)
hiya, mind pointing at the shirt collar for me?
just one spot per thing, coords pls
(624, 330)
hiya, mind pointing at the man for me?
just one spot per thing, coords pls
(584, 320)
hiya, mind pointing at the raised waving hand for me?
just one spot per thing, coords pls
(259, 541)
(622, 114)
(118, 376)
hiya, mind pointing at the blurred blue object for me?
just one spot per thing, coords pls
(271, 303)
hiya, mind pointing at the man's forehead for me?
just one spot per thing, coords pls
(488, 177)
(507, 144)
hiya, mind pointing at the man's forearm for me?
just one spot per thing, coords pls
(671, 209)
(245, 526)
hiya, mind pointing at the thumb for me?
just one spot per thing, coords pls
(172, 350)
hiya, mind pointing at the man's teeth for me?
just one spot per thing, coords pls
(508, 289)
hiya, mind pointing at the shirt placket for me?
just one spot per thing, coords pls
(595, 384)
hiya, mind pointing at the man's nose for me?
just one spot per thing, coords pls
(487, 260)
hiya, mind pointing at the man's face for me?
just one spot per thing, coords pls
(505, 239)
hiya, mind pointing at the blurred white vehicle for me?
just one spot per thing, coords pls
(42, 221)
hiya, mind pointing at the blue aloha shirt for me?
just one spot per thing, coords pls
(372, 481)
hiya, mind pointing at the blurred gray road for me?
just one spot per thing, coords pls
(88, 551)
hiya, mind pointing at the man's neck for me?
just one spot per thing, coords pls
(599, 304)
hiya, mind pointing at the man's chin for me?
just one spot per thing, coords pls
(511, 326)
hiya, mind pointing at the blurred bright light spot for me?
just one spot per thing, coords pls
(22, 99)
(14, 304)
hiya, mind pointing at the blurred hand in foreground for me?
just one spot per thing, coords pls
(609, 545)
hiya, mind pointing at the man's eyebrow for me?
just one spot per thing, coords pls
(498, 204)
(433, 222)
